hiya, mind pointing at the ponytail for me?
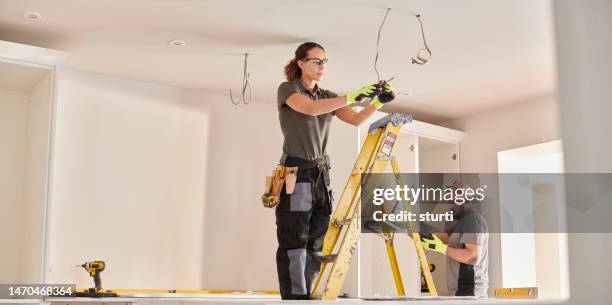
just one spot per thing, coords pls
(292, 70)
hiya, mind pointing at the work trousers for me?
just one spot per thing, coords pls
(302, 219)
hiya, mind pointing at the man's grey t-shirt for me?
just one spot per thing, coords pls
(305, 135)
(465, 279)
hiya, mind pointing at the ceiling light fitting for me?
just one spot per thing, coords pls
(176, 43)
(32, 15)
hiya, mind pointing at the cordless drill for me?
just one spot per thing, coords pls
(94, 268)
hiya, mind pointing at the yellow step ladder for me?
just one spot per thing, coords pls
(345, 224)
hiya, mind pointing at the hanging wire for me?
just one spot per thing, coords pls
(378, 43)
(420, 59)
(245, 84)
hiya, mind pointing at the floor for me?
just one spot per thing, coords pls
(252, 299)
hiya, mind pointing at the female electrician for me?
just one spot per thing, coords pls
(305, 114)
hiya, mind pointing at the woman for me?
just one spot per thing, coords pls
(305, 114)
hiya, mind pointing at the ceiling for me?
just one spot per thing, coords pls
(485, 52)
(20, 78)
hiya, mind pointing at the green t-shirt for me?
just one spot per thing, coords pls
(305, 135)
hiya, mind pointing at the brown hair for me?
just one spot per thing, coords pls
(292, 70)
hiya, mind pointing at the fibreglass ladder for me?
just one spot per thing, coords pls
(345, 224)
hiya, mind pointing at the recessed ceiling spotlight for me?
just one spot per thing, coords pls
(32, 15)
(176, 43)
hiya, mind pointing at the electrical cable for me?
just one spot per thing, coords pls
(419, 59)
(378, 43)
(245, 84)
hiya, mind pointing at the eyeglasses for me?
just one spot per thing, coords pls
(318, 61)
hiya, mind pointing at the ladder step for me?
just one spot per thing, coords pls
(329, 258)
(338, 223)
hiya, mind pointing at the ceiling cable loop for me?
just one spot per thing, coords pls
(245, 84)
(420, 60)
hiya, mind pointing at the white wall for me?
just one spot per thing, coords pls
(515, 125)
(13, 131)
(129, 184)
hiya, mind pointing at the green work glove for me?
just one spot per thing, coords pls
(386, 96)
(434, 244)
(369, 91)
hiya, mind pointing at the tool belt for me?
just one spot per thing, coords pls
(286, 174)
